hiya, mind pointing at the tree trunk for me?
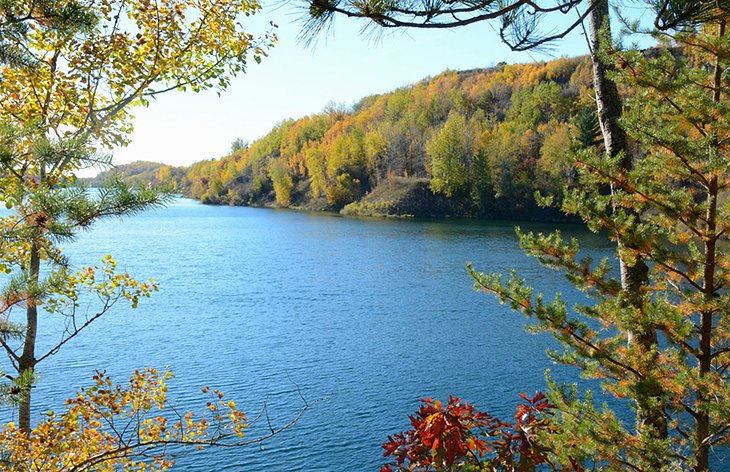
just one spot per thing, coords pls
(702, 430)
(608, 101)
(649, 418)
(27, 359)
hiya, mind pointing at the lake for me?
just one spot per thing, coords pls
(370, 314)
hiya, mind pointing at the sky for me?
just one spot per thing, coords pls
(179, 128)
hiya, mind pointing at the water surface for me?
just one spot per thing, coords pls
(371, 313)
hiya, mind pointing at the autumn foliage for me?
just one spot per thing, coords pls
(457, 436)
(109, 427)
(488, 138)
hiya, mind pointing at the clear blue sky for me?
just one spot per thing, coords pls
(294, 81)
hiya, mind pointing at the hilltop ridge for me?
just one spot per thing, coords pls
(479, 143)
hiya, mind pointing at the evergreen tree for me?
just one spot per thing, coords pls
(680, 118)
(589, 132)
(18, 18)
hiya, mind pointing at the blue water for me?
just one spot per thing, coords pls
(369, 314)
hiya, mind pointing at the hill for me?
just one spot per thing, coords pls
(470, 143)
(141, 173)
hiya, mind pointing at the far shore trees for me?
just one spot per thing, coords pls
(71, 73)
(523, 121)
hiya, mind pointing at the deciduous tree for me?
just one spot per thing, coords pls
(458, 437)
(72, 71)
(109, 427)
(450, 151)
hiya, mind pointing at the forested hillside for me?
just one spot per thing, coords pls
(142, 174)
(472, 143)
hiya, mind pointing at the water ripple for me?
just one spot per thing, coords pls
(372, 314)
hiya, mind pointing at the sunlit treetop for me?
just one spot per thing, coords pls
(73, 69)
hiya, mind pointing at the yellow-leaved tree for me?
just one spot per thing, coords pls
(71, 71)
(133, 426)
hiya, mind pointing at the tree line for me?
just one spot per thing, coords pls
(487, 138)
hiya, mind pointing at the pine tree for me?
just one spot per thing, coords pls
(17, 18)
(678, 186)
(589, 132)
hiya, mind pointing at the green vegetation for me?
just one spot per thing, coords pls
(404, 197)
(141, 174)
(484, 141)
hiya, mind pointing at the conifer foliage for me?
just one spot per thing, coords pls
(678, 184)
